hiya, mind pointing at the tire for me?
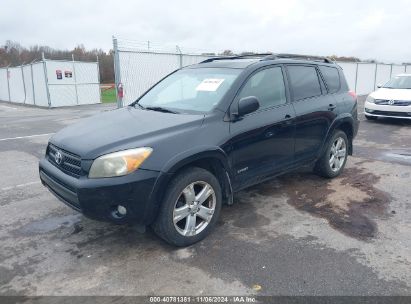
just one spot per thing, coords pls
(371, 117)
(179, 202)
(325, 166)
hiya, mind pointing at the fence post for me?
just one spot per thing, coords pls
(180, 55)
(356, 78)
(24, 83)
(32, 82)
(391, 71)
(74, 77)
(375, 76)
(46, 78)
(8, 81)
(99, 79)
(117, 75)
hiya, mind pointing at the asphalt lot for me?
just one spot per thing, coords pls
(296, 235)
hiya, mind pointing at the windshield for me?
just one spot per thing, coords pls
(399, 82)
(198, 90)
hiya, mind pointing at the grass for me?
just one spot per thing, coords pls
(108, 95)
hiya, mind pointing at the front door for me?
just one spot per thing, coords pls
(263, 141)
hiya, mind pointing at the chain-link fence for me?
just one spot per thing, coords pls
(137, 69)
(138, 66)
(363, 78)
(51, 83)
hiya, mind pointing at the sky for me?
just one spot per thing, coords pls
(366, 29)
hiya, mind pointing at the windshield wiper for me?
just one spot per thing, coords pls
(139, 105)
(161, 109)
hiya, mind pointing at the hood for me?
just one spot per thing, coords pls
(396, 94)
(121, 129)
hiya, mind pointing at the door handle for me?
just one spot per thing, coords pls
(331, 107)
(287, 120)
(269, 134)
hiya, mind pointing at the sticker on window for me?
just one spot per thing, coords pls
(209, 85)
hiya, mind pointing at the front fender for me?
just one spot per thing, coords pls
(189, 156)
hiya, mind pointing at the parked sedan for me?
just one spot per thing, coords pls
(391, 100)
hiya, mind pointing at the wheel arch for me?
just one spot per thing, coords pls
(345, 123)
(212, 159)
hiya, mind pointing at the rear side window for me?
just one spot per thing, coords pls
(268, 86)
(304, 81)
(331, 77)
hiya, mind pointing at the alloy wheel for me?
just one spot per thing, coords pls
(194, 208)
(338, 153)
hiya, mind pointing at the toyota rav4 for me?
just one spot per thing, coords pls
(182, 149)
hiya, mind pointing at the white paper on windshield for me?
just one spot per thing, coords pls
(209, 84)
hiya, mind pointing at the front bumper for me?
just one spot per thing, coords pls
(372, 109)
(99, 198)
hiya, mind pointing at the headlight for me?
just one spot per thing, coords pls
(119, 163)
(370, 99)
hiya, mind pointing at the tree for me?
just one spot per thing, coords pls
(227, 53)
(12, 53)
(344, 58)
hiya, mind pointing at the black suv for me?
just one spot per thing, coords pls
(174, 156)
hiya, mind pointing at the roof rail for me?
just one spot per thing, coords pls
(271, 56)
(259, 55)
(299, 57)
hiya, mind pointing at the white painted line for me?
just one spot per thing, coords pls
(22, 137)
(7, 107)
(20, 186)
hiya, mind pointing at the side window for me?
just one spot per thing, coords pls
(331, 77)
(304, 81)
(268, 86)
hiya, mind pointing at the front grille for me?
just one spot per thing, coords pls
(392, 102)
(69, 163)
(389, 113)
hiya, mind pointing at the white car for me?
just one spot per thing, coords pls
(391, 100)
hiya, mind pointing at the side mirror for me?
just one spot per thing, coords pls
(379, 85)
(247, 105)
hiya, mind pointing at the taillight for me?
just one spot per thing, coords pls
(352, 94)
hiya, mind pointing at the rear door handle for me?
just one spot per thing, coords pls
(287, 120)
(331, 107)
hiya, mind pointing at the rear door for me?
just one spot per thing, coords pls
(315, 110)
(263, 141)
(336, 87)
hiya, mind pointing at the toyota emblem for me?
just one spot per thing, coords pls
(58, 157)
(391, 102)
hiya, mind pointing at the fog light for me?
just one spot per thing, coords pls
(121, 210)
(369, 110)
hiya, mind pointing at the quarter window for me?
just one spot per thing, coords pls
(331, 77)
(268, 86)
(304, 81)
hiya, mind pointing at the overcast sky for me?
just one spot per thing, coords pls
(367, 29)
